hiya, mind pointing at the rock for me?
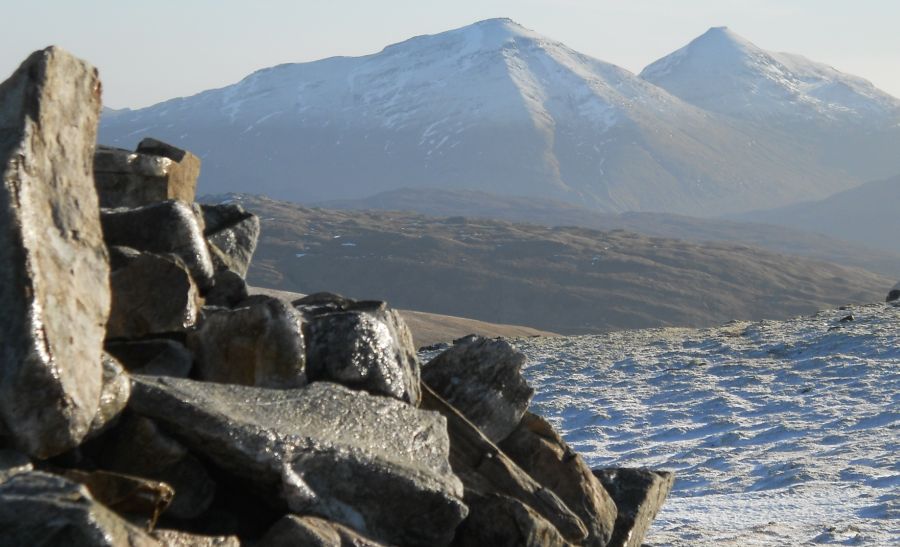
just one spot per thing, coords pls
(228, 290)
(257, 344)
(53, 264)
(501, 521)
(482, 379)
(233, 232)
(113, 396)
(485, 469)
(151, 295)
(42, 509)
(138, 447)
(308, 531)
(13, 462)
(847, 318)
(155, 172)
(371, 463)
(153, 357)
(639, 494)
(362, 345)
(131, 497)
(537, 449)
(177, 538)
(161, 228)
(894, 294)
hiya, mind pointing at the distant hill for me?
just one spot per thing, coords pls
(780, 239)
(566, 280)
(868, 214)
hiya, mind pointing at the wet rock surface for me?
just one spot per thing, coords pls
(542, 453)
(639, 494)
(233, 233)
(482, 378)
(362, 345)
(53, 265)
(259, 343)
(366, 462)
(309, 531)
(113, 395)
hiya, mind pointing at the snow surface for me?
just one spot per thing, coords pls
(780, 433)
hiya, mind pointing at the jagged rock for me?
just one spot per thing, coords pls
(161, 228)
(485, 469)
(134, 498)
(371, 463)
(53, 264)
(113, 396)
(152, 294)
(362, 345)
(639, 494)
(177, 538)
(537, 449)
(138, 447)
(259, 343)
(153, 357)
(13, 462)
(42, 509)
(228, 290)
(501, 521)
(155, 172)
(482, 379)
(233, 232)
(308, 531)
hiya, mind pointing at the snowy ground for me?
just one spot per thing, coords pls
(780, 433)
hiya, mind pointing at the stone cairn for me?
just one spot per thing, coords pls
(147, 399)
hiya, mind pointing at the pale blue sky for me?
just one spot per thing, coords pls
(154, 50)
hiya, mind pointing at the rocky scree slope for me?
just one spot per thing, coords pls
(149, 400)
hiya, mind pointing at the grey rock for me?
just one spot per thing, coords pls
(257, 344)
(308, 531)
(13, 462)
(155, 172)
(113, 396)
(151, 295)
(42, 509)
(502, 521)
(371, 463)
(228, 290)
(165, 227)
(542, 453)
(639, 494)
(177, 538)
(138, 447)
(485, 469)
(482, 378)
(153, 357)
(233, 233)
(53, 264)
(894, 294)
(362, 345)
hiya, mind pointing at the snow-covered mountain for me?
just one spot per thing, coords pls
(490, 106)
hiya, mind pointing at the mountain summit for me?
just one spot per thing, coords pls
(491, 106)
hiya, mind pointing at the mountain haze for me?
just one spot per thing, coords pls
(490, 106)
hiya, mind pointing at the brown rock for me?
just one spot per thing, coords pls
(132, 497)
(639, 494)
(155, 172)
(53, 264)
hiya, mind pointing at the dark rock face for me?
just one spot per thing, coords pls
(137, 311)
(113, 396)
(639, 494)
(161, 228)
(41, 509)
(155, 172)
(137, 499)
(153, 357)
(893, 296)
(501, 521)
(53, 264)
(362, 345)
(485, 469)
(259, 343)
(293, 530)
(370, 463)
(232, 232)
(229, 289)
(482, 378)
(13, 462)
(542, 453)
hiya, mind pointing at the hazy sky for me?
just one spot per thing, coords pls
(154, 50)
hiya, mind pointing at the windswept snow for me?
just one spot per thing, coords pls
(780, 433)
